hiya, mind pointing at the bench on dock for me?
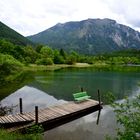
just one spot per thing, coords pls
(81, 96)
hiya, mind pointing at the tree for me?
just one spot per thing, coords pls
(30, 54)
(63, 53)
(44, 61)
(58, 59)
(46, 52)
(38, 48)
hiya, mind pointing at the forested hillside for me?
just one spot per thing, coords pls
(12, 36)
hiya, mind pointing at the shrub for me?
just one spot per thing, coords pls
(44, 61)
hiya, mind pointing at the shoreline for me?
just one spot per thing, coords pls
(107, 67)
(33, 67)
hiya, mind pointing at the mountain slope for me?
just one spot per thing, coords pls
(12, 36)
(89, 36)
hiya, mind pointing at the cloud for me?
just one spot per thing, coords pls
(128, 9)
(32, 16)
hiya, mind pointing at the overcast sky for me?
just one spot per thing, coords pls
(32, 16)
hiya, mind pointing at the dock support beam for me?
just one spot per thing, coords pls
(36, 114)
(20, 106)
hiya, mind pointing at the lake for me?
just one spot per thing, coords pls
(55, 87)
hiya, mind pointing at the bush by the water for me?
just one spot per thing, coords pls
(8, 66)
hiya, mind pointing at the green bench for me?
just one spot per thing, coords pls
(81, 96)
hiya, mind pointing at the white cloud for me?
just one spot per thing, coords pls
(32, 16)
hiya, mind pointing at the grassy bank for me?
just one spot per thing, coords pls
(4, 135)
(34, 67)
(97, 66)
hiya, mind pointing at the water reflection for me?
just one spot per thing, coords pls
(61, 84)
(80, 129)
(86, 129)
(31, 97)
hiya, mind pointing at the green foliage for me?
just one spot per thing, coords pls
(11, 49)
(35, 129)
(108, 98)
(44, 61)
(63, 53)
(8, 66)
(12, 36)
(58, 59)
(47, 52)
(128, 115)
(4, 135)
(38, 48)
(30, 54)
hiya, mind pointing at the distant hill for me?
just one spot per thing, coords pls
(12, 36)
(89, 36)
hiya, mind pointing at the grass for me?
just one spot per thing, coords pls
(4, 135)
(34, 67)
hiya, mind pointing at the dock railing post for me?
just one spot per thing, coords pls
(36, 114)
(20, 106)
(99, 99)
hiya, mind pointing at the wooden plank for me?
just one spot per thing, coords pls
(54, 113)
(61, 110)
(50, 113)
(32, 114)
(11, 119)
(25, 117)
(58, 113)
(20, 118)
(5, 119)
(1, 120)
(29, 115)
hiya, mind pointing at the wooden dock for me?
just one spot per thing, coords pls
(50, 117)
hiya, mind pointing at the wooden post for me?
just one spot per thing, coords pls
(36, 114)
(99, 99)
(20, 105)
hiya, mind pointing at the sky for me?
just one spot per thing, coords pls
(29, 17)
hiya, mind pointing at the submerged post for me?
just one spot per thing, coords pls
(36, 114)
(99, 99)
(20, 105)
(82, 89)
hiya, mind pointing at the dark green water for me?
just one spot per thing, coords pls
(62, 83)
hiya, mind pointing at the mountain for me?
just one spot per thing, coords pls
(12, 36)
(89, 36)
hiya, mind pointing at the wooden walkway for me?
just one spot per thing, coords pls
(50, 117)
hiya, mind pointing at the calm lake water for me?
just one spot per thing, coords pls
(62, 83)
(55, 87)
